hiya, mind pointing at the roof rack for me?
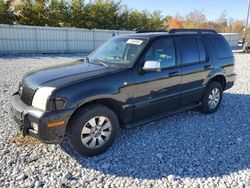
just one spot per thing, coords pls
(200, 31)
(151, 31)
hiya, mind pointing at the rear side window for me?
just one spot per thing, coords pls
(221, 47)
(189, 50)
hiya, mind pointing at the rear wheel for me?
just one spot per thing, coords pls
(93, 130)
(212, 98)
(248, 49)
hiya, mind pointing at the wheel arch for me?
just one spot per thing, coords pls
(217, 75)
(111, 103)
(220, 79)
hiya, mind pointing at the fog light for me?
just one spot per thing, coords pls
(34, 126)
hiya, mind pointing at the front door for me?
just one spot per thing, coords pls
(157, 91)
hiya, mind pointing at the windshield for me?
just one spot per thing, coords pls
(118, 51)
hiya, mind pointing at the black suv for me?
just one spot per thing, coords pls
(131, 80)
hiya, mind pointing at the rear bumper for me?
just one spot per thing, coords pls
(230, 79)
(25, 115)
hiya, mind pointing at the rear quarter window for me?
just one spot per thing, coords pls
(221, 47)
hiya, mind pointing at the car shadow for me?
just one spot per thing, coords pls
(188, 144)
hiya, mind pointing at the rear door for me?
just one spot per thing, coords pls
(195, 67)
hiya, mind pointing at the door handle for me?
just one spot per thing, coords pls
(172, 74)
(208, 67)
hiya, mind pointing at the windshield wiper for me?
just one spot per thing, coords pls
(98, 62)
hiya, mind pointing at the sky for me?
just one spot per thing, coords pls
(236, 9)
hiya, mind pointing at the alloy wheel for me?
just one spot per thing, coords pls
(96, 132)
(214, 98)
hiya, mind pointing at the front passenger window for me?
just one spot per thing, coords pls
(163, 51)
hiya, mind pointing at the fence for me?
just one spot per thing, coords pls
(32, 39)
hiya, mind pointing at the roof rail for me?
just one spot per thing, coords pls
(200, 31)
(151, 31)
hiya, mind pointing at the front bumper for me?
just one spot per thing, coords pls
(25, 115)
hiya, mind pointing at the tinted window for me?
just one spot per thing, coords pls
(202, 51)
(189, 50)
(162, 50)
(221, 47)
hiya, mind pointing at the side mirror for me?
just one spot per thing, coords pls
(152, 66)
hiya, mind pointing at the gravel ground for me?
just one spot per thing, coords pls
(185, 150)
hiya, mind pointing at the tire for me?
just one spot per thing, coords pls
(207, 104)
(247, 49)
(101, 132)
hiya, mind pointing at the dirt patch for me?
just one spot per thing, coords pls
(27, 140)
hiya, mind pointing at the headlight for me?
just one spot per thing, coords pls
(41, 97)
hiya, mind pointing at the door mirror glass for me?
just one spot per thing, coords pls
(152, 66)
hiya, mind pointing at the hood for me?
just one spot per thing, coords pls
(63, 74)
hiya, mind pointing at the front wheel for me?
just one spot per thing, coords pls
(93, 129)
(212, 98)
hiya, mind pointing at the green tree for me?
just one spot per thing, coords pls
(134, 23)
(145, 21)
(64, 14)
(123, 18)
(54, 13)
(77, 13)
(102, 15)
(25, 12)
(33, 12)
(7, 15)
(59, 14)
(155, 21)
(40, 17)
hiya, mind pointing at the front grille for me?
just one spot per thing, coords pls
(26, 94)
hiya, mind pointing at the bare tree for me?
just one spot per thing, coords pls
(222, 21)
(196, 19)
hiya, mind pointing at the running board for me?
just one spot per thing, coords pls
(160, 116)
